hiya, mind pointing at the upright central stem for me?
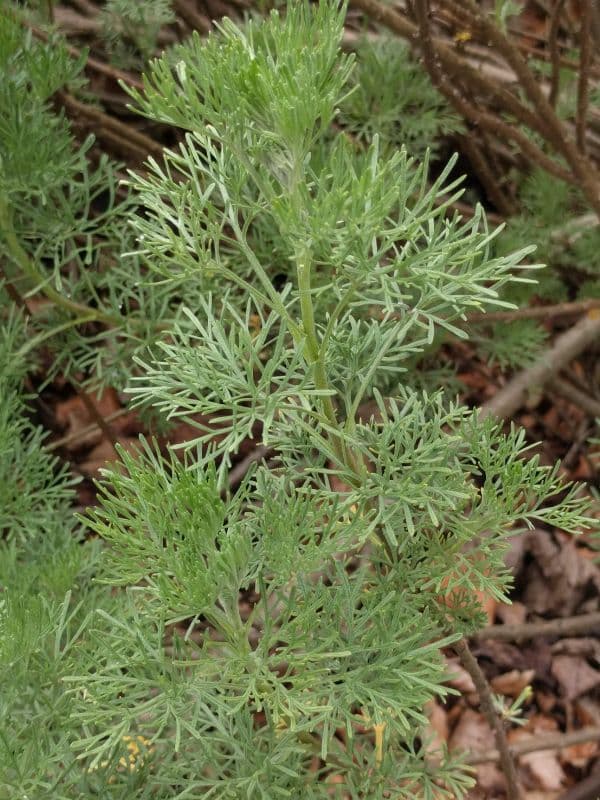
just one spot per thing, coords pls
(315, 357)
(313, 351)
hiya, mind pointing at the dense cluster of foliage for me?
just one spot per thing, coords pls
(287, 262)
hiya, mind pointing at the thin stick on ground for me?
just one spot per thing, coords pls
(540, 115)
(81, 433)
(537, 744)
(566, 389)
(550, 363)
(489, 181)
(103, 123)
(565, 626)
(474, 114)
(574, 308)
(469, 662)
(587, 789)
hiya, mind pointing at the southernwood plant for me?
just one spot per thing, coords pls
(273, 277)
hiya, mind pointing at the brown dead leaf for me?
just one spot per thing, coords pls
(504, 655)
(587, 711)
(575, 675)
(512, 683)
(73, 417)
(559, 577)
(513, 614)
(545, 701)
(473, 735)
(543, 766)
(579, 755)
(545, 769)
(103, 454)
(584, 646)
(459, 677)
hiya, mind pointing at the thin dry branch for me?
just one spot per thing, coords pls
(536, 312)
(576, 396)
(450, 72)
(565, 626)
(551, 362)
(558, 134)
(554, 52)
(583, 79)
(106, 126)
(91, 63)
(81, 433)
(587, 789)
(457, 68)
(469, 662)
(489, 181)
(537, 744)
(190, 14)
(100, 421)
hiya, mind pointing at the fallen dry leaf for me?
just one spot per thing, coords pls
(473, 735)
(585, 646)
(545, 701)
(575, 675)
(545, 769)
(103, 454)
(579, 755)
(559, 577)
(512, 683)
(587, 711)
(513, 614)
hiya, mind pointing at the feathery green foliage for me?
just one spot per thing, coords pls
(131, 29)
(394, 99)
(273, 277)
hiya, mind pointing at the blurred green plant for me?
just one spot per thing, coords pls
(131, 29)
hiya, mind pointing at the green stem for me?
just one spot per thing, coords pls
(29, 268)
(32, 344)
(315, 357)
(312, 349)
(273, 297)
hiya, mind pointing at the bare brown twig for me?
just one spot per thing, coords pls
(587, 789)
(554, 52)
(450, 73)
(81, 433)
(106, 126)
(565, 349)
(469, 662)
(539, 743)
(489, 181)
(100, 421)
(576, 396)
(566, 626)
(585, 59)
(536, 312)
(189, 13)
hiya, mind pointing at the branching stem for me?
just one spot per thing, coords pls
(29, 268)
